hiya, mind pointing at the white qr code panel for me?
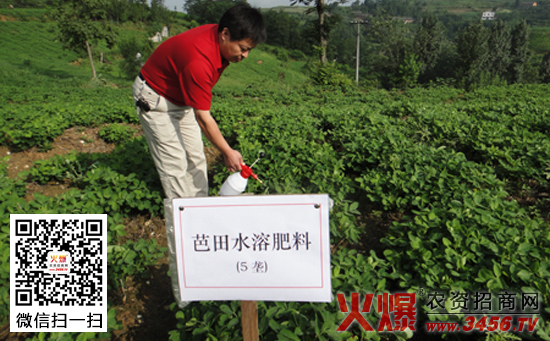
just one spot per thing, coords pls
(58, 272)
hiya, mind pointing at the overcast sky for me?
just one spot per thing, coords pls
(254, 3)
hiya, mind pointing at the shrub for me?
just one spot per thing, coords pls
(328, 74)
(116, 133)
(297, 55)
(129, 49)
(282, 55)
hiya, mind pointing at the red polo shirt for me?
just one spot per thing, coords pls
(185, 68)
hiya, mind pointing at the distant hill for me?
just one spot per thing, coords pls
(462, 6)
(31, 56)
(289, 9)
(451, 6)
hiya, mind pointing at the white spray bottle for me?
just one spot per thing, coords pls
(236, 182)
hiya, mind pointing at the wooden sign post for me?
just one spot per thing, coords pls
(249, 318)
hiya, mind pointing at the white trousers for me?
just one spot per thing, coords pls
(175, 143)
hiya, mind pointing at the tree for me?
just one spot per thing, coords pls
(139, 11)
(342, 45)
(499, 45)
(117, 10)
(80, 21)
(544, 69)
(282, 29)
(408, 72)
(160, 14)
(427, 45)
(321, 7)
(134, 52)
(390, 42)
(520, 54)
(473, 54)
(209, 11)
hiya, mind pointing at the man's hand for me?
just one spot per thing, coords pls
(233, 159)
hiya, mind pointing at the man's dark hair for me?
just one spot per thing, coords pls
(243, 22)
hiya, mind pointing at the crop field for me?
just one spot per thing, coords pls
(434, 189)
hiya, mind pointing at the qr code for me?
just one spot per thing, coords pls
(58, 266)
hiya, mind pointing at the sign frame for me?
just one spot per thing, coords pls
(203, 217)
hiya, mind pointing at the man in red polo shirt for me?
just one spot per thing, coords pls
(173, 96)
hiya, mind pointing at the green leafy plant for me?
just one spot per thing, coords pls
(327, 73)
(116, 133)
(131, 259)
(408, 71)
(132, 61)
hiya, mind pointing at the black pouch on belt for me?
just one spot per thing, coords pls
(143, 105)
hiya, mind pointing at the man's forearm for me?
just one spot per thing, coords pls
(211, 130)
(209, 127)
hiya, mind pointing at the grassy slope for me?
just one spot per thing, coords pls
(31, 56)
(262, 69)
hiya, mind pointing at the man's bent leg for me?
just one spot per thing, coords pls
(161, 133)
(196, 160)
(165, 145)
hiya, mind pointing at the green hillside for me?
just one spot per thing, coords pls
(263, 70)
(462, 6)
(31, 56)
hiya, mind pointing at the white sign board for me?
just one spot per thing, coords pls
(264, 248)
